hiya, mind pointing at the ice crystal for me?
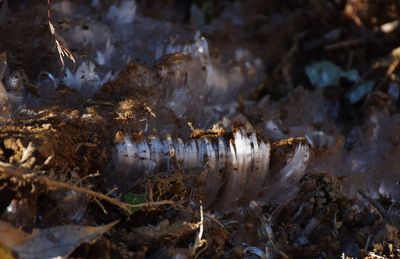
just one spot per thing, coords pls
(199, 48)
(93, 34)
(15, 81)
(273, 131)
(196, 77)
(124, 13)
(104, 57)
(12, 91)
(85, 78)
(320, 140)
(15, 87)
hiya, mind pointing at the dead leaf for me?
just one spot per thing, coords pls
(50, 242)
(5, 253)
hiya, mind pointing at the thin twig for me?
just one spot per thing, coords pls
(216, 221)
(344, 44)
(80, 181)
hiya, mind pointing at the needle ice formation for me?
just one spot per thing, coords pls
(285, 184)
(236, 168)
(123, 13)
(124, 36)
(85, 79)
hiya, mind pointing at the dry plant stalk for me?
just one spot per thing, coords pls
(61, 49)
(288, 142)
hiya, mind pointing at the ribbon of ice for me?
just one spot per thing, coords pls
(237, 167)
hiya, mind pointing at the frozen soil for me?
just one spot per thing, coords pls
(69, 137)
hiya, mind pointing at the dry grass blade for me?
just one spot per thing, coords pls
(61, 49)
(199, 241)
(288, 142)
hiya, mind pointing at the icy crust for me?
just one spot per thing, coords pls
(236, 168)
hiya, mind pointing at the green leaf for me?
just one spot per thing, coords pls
(133, 199)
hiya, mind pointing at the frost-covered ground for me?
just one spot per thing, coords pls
(272, 127)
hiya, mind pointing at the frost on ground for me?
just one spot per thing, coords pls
(217, 128)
